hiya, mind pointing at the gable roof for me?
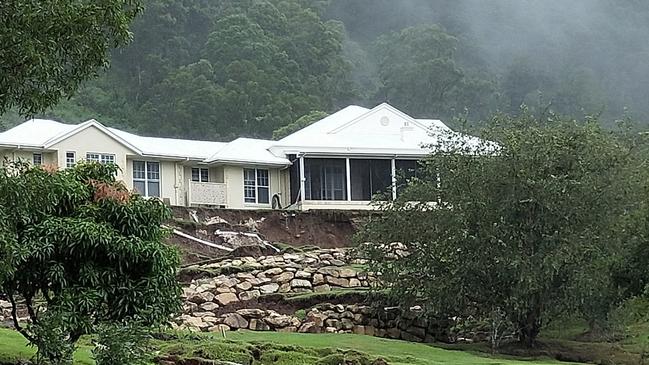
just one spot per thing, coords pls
(45, 134)
(383, 130)
(85, 125)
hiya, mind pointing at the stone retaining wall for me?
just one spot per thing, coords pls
(325, 318)
(320, 271)
(215, 304)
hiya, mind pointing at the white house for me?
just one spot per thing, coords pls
(338, 162)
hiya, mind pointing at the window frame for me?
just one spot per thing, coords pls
(40, 159)
(147, 179)
(256, 186)
(70, 162)
(102, 158)
(200, 171)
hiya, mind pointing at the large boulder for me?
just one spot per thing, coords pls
(258, 325)
(300, 283)
(284, 277)
(269, 288)
(252, 313)
(226, 298)
(338, 281)
(347, 273)
(235, 320)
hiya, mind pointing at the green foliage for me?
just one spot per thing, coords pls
(526, 226)
(50, 47)
(302, 122)
(122, 343)
(76, 243)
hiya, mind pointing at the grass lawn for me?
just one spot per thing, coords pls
(270, 348)
(395, 352)
(13, 347)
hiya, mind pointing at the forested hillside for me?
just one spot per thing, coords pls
(218, 69)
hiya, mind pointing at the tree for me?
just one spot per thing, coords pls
(421, 74)
(513, 225)
(50, 47)
(80, 251)
(304, 121)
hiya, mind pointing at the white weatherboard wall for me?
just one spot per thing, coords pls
(94, 140)
(233, 178)
(169, 188)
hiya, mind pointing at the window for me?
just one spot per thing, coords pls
(406, 170)
(325, 179)
(256, 186)
(103, 158)
(370, 177)
(37, 159)
(146, 178)
(200, 175)
(70, 159)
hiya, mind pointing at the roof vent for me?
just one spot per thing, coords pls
(385, 121)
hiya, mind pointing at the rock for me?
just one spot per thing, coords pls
(251, 294)
(406, 336)
(336, 262)
(318, 279)
(209, 306)
(333, 323)
(272, 272)
(200, 298)
(219, 328)
(316, 317)
(354, 283)
(416, 331)
(359, 330)
(284, 277)
(210, 320)
(287, 329)
(193, 322)
(347, 323)
(252, 313)
(394, 333)
(269, 288)
(285, 288)
(300, 283)
(331, 330)
(246, 285)
(280, 320)
(228, 282)
(369, 330)
(330, 271)
(301, 274)
(235, 320)
(322, 288)
(223, 289)
(245, 276)
(291, 257)
(258, 325)
(347, 273)
(309, 327)
(337, 281)
(202, 314)
(226, 298)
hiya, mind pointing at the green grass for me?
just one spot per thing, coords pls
(13, 347)
(395, 352)
(273, 348)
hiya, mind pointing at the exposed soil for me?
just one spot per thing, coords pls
(324, 229)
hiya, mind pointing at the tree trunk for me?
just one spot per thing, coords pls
(530, 326)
